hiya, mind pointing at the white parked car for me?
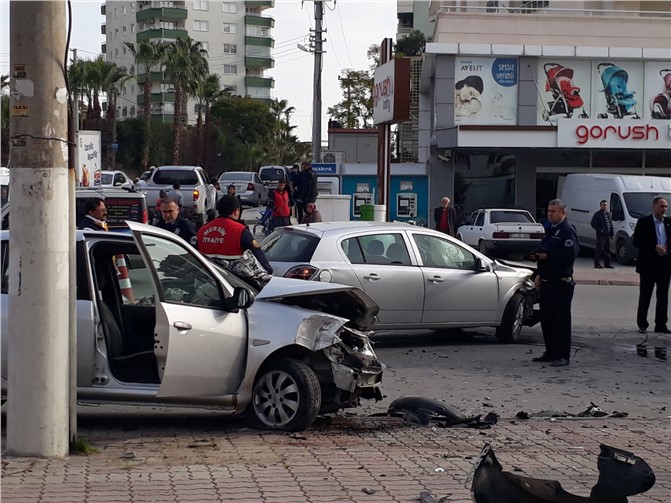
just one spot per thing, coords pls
(117, 179)
(495, 230)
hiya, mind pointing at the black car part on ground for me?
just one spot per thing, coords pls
(420, 411)
(621, 474)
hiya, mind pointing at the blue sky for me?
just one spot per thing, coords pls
(352, 26)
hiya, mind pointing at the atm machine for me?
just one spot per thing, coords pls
(406, 205)
(364, 194)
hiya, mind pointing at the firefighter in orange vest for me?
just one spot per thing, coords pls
(226, 238)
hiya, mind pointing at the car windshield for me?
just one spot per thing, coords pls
(498, 217)
(106, 178)
(235, 176)
(639, 204)
(232, 278)
(272, 175)
(285, 246)
(170, 176)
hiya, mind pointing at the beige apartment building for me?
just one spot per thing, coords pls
(514, 95)
(236, 35)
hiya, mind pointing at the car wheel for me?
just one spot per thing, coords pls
(622, 253)
(482, 247)
(513, 319)
(286, 396)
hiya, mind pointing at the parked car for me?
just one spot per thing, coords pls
(198, 191)
(115, 179)
(174, 327)
(419, 277)
(271, 175)
(248, 186)
(494, 230)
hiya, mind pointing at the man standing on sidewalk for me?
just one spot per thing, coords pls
(445, 217)
(603, 225)
(652, 237)
(555, 260)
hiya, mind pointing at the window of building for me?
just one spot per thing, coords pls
(124, 112)
(230, 69)
(116, 32)
(602, 158)
(259, 92)
(257, 51)
(116, 12)
(123, 10)
(132, 6)
(231, 89)
(230, 28)
(230, 7)
(205, 46)
(657, 158)
(132, 111)
(132, 27)
(230, 48)
(253, 11)
(123, 29)
(200, 5)
(132, 90)
(200, 25)
(116, 52)
(123, 49)
(257, 31)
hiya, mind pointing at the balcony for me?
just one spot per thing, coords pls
(103, 48)
(255, 20)
(262, 4)
(157, 98)
(161, 33)
(259, 41)
(161, 13)
(259, 82)
(259, 62)
(103, 29)
(155, 77)
(103, 9)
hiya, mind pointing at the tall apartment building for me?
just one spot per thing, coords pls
(236, 36)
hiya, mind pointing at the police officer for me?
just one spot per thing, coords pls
(225, 237)
(173, 222)
(554, 277)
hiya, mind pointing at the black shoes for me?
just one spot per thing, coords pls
(598, 266)
(662, 330)
(561, 362)
(642, 330)
(609, 267)
(543, 358)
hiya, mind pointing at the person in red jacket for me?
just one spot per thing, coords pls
(281, 206)
(226, 238)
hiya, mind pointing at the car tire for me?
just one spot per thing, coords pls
(482, 248)
(293, 386)
(512, 321)
(622, 253)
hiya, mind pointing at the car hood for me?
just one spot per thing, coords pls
(339, 300)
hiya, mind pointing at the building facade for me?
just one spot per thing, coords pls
(515, 95)
(236, 35)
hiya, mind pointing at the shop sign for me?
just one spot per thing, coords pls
(391, 91)
(614, 134)
(324, 168)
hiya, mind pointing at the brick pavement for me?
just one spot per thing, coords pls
(344, 459)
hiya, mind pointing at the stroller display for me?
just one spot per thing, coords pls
(265, 220)
(660, 105)
(565, 94)
(620, 102)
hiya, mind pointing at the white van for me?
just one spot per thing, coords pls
(629, 198)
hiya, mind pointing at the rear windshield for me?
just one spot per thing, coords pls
(511, 216)
(272, 174)
(106, 178)
(639, 204)
(286, 246)
(119, 209)
(235, 176)
(170, 176)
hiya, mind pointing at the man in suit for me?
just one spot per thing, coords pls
(445, 217)
(652, 237)
(603, 225)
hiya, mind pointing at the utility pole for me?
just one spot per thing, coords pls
(37, 408)
(317, 83)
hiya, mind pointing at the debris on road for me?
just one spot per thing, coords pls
(591, 411)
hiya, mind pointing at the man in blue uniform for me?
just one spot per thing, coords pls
(173, 222)
(554, 277)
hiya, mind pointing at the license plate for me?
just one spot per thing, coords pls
(519, 236)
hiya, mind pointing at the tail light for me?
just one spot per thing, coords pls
(537, 235)
(250, 187)
(301, 272)
(196, 195)
(145, 216)
(501, 235)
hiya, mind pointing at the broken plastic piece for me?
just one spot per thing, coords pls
(420, 410)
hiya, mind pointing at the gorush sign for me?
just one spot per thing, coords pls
(383, 90)
(609, 134)
(638, 132)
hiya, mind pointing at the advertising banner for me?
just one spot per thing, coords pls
(88, 159)
(485, 90)
(391, 91)
(657, 90)
(564, 90)
(617, 89)
(639, 134)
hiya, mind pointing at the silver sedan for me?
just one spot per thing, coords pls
(248, 186)
(419, 277)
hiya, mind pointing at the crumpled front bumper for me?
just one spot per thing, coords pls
(531, 296)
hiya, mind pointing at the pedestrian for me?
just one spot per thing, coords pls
(162, 195)
(226, 238)
(445, 217)
(95, 217)
(554, 278)
(176, 195)
(281, 206)
(602, 223)
(309, 189)
(173, 222)
(312, 214)
(230, 190)
(652, 237)
(296, 178)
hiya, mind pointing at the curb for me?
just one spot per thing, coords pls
(612, 282)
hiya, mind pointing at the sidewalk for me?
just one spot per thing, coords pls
(343, 459)
(584, 273)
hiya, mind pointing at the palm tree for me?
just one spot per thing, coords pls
(283, 138)
(148, 53)
(113, 78)
(185, 62)
(205, 90)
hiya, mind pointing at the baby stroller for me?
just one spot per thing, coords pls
(660, 105)
(565, 94)
(265, 220)
(619, 101)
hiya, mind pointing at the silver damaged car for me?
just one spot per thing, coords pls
(158, 323)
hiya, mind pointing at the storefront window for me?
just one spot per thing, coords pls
(617, 158)
(484, 180)
(658, 159)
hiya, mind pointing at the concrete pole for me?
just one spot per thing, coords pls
(37, 408)
(317, 84)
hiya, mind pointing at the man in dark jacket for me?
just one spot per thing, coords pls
(96, 215)
(445, 217)
(173, 222)
(309, 191)
(296, 185)
(652, 237)
(603, 225)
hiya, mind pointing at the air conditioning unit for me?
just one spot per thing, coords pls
(405, 22)
(332, 157)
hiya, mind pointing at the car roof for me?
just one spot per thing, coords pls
(503, 209)
(345, 226)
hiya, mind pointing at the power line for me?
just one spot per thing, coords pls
(344, 38)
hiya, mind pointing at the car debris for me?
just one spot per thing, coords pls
(420, 411)
(591, 411)
(621, 474)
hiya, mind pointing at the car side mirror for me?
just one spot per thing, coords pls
(241, 299)
(117, 184)
(480, 266)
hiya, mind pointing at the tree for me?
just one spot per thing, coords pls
(411, 45)
(113, 78)
(185, 61)
(148, 54)
(205, 89)
(356, 109)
